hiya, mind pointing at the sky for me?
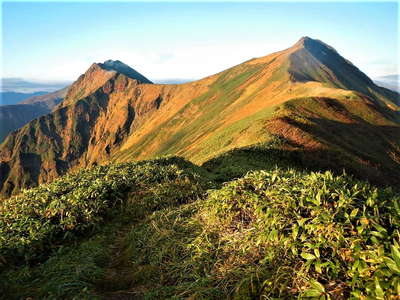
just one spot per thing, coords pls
(184, 40)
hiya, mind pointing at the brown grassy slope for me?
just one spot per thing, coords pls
(357, 135)
(233, 111)
(107, 115)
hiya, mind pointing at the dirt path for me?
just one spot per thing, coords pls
(120, 273)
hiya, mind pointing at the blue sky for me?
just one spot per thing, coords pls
(59, 41)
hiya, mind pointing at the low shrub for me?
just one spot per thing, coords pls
(38, 220)
(274, 234)
(307, 234)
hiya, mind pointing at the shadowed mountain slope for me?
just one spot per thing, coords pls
(308, 95)
(316, 61)
(13, 117)
(120, 67)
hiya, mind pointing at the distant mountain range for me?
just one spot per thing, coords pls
(38, 104)
(20, 85)
(49, 100)
(306, 98)
(16, 93)
(10, 98)
(390, 82)
(172, 81)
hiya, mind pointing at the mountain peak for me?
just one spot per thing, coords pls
(96, 76)
(120, 67)
(113, 64)
(303, 39)
(313, 60)
(310, 43)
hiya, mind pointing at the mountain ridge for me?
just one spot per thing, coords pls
(107, 115)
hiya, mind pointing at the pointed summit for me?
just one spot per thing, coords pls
(120, 67)
(313, 60)
(302, 40)
(96, 76)
(310, 43)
